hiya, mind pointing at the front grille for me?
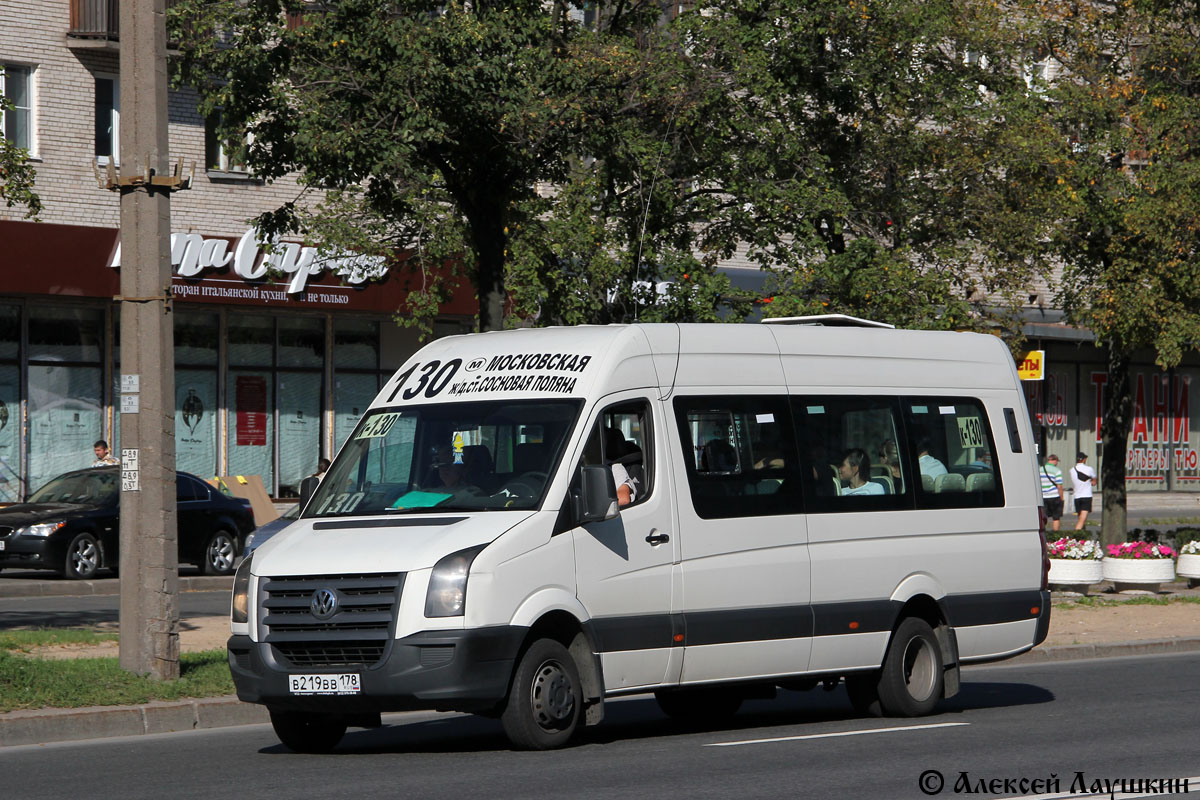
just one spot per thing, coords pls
(358, 634)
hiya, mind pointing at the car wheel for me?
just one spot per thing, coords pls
(910, 683)
(307, 732)
(219, 554)
(545, 701)
(698, 705)
(83, 557)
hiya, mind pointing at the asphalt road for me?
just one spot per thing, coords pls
(1130, 718)
(62, 611)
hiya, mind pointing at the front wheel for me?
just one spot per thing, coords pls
(83, 557)
(307, 732)
(911, 681)
(545, 701)
(219, 554)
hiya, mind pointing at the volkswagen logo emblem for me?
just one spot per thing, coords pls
(324, 603)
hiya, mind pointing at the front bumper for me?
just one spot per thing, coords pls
(465, 670)
(30, 552)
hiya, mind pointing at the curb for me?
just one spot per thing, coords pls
(72, 724)
(42, 726)
(107, 586)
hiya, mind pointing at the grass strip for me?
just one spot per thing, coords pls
(26, 640)
(27, 682)
(1107, 602)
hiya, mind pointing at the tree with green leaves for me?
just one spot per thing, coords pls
(876, 157)
(462, 134)
(1126, 194)
(17, 174)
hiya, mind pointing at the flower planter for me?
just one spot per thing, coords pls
(1139, 574)
(1188, 567)
(1076, 573)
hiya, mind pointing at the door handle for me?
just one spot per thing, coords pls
(655, 538)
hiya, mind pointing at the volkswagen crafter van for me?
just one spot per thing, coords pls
(802, 505)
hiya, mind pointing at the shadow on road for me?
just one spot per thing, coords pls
(640, 719)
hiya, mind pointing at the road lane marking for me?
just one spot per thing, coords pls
(836, 734)
(1195, 779)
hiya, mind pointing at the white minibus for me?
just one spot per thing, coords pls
(528, 522)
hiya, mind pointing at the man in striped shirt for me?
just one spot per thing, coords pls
(1052, 491)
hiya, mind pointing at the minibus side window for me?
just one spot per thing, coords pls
(850, 448)
(621, 439)
(740, 454)
(952, 451)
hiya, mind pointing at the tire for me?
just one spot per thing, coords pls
(220, 552)
(545, 700)
(697, 706)
(83, 558)
(911, 681)
(308, 732)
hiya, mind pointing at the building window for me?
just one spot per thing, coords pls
(108, 119)
(223, 155)
(16, 84)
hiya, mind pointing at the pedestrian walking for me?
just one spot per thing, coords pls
(1082, 478)
(1052, 491)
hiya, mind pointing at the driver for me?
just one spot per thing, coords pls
(450, 474)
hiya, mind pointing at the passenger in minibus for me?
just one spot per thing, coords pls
(929, 465)
(855, 473)
(449, 475)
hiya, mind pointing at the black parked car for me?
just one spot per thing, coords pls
(72, 525)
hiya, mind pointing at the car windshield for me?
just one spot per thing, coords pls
(490, 456)
(79, 488)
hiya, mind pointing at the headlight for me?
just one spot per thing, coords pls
(41, 529)
(240, 609)
(447, 595)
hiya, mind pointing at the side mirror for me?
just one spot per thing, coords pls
(596, 500)
(307, 487)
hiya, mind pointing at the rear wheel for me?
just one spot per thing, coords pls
(83, 557)
(545, 701)
(219, 554)
(699, 705)
(307, 732)
(911, 681)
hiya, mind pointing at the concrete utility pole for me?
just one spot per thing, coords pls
(149, 558)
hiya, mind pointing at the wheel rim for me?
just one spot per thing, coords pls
(220, 553)
(553, 696)
(84, 557)
(920, 669)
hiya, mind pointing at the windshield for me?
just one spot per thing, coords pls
(79, 488)
(491, 456)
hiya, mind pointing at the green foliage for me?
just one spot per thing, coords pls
(25, 640)
(17, 174)
(28, 682)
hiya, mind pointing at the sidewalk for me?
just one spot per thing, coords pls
(1108, 625)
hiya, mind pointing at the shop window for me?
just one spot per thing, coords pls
(952, 453)
(299, 429)
(356, 344)
(251, 341)
(302, 342)
(251, 425)
(10, 433)
(65, 418)
(196, 338)
(108, 119)
(10, 332)
(352, 395)
(196, 420)
(16, 122)
(65, 334)
(740, 454)
(851, 449)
